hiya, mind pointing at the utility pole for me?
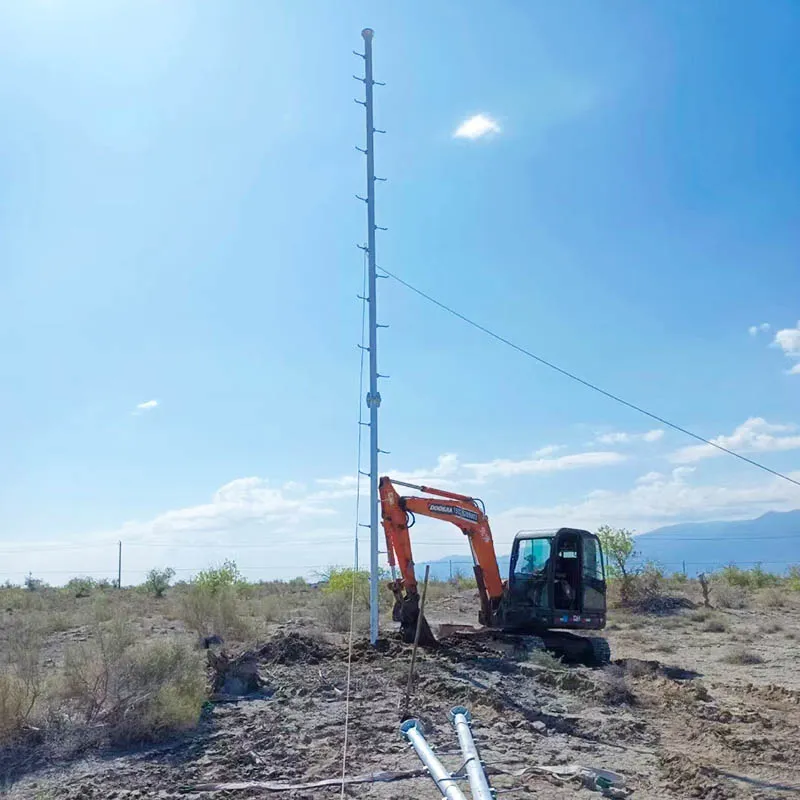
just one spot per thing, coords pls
(119, 566)
(373, 396)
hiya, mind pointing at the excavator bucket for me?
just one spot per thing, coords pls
(406, 612)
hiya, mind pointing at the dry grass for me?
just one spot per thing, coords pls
(671, 623)
(770, 627)
(334, 612)
(664, 647)
(773, 597)
(545, 660)
(726, 596)
(634, 636)
(210, 612)
(91, 663)
(714, 625)
(138, 690)
(742, 656)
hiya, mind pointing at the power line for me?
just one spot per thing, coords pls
(588, 384)
(339, 540)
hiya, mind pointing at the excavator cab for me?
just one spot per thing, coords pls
(556, 580)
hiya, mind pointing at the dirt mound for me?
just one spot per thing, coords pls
(294, 647)
(637, 668)
(772, 694)
(689, 779)
(662, 605)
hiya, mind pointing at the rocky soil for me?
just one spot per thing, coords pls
(671, 713)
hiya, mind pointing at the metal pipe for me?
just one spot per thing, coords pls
(441, 777)
(478, 783)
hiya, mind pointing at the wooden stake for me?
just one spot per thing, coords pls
(420, 619)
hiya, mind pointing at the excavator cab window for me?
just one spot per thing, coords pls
(567, 573)
(578, 574)
(533, 557)
(594, 578)
(529, 569)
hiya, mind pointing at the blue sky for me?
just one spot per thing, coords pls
(177, 224)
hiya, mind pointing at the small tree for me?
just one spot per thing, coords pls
(158, 580)
(618, 548)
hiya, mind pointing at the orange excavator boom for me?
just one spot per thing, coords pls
(466, 513)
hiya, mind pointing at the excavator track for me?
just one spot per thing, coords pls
(589, 651)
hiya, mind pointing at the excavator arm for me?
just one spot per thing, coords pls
(467, 514)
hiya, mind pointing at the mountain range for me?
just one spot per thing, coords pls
(773, 540)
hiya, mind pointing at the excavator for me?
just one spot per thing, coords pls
(556, 582)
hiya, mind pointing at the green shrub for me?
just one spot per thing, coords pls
(81, 586)
(158, 580)
(759, 579)
(342, 580)
(734, 576)
(755, 578)
(463, 582)
(138, 692)
(793, 578)
(34, 584)
(206, 611)
(224, 576)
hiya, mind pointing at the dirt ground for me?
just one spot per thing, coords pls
(671, 713)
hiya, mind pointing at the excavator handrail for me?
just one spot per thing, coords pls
(437, 492)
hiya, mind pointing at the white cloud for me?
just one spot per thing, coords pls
(449, 471)
(788, 340)
(754, 330)
(650, 477)
(506, 468)
(655, 500)
(149, 405)
(476, 127)
(241, 501)
(548, 450)
(620, 437)
(755, 435)
(447, 467)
